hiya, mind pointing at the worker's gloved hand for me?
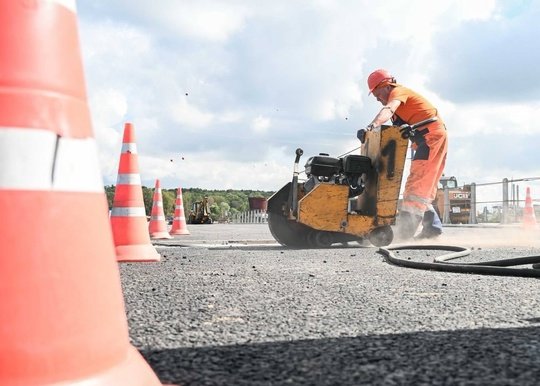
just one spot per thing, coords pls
(361, 135)
(406, 131)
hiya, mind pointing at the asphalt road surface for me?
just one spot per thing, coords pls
(226, 305)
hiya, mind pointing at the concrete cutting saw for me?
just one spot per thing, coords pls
(344, 199)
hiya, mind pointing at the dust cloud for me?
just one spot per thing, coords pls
(487, 237)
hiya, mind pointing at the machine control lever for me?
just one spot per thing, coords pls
(293, 197)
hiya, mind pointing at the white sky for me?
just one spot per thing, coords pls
(228, 90)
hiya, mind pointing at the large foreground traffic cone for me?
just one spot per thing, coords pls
(158, 226)
(529, 218)
(128, 216)
(179, 226)
(62, 318)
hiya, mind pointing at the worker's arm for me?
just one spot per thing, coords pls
(385, 114)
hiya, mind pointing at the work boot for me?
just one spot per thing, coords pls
(406, 225)
(431, 226)
(428, 233)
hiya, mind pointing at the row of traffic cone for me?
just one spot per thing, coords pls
(62, 312)
(158, 225)
(128, 216)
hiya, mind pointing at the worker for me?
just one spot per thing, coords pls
(405, 107)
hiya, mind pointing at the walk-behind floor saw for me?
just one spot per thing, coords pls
(349, 198)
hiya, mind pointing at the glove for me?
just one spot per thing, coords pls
(406, 131)
(361, 135)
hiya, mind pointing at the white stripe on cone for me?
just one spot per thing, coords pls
(40, 160)
(130, 147)
(129, 179)
(128, 212)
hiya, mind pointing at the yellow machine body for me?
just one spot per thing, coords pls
(327, 206)
(327, 213)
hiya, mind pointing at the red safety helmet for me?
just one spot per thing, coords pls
(377, 77)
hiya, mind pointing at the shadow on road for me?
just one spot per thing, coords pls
(465, 357)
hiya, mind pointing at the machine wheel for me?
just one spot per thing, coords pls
(319, 239)
(287, 232)
(381, 236)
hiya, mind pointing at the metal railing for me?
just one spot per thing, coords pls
(257, 216)
(506, 210)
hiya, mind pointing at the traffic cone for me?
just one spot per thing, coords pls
(62, 314)
(158, 225)
(179, 226)
(529, 218)
(128, 216)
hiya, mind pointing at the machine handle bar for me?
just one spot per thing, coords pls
(410, 130)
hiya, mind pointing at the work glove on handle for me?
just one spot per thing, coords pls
(361, 135)
(406, 131)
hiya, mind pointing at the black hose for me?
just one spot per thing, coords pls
(441, 263)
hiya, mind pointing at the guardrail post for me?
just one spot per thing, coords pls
(504, 218)
(472, 212)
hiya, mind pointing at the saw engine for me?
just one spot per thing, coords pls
(351, 171)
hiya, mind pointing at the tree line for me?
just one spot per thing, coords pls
(223, 203)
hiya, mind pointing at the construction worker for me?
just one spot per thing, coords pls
(405, 107)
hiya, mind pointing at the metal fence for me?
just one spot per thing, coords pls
(498, 202)
(250, 217)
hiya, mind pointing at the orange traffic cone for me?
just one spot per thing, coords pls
(158, 226)
(179, 226)
(62, 314)
(529, 219)
(128, 216)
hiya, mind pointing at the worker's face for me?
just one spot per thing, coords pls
(382, 93)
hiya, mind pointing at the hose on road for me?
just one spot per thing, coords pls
(441, 263)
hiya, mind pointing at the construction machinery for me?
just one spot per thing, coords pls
(459, 200)
(200, 213)
(344, 199)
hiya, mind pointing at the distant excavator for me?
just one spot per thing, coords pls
(459, 200)
(200, 213)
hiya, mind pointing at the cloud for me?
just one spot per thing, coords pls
(207, 167)
(260, 124)
(489, 60)
(190, 116)
(501, 120)
(209, 79)
(108, 107)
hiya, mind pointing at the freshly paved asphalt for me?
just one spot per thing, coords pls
(228, 306)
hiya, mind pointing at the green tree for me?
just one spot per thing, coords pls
(109, 192)
(225, 203)
(148, 197)
(224, 209)
(214, 211)
(169, 199)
